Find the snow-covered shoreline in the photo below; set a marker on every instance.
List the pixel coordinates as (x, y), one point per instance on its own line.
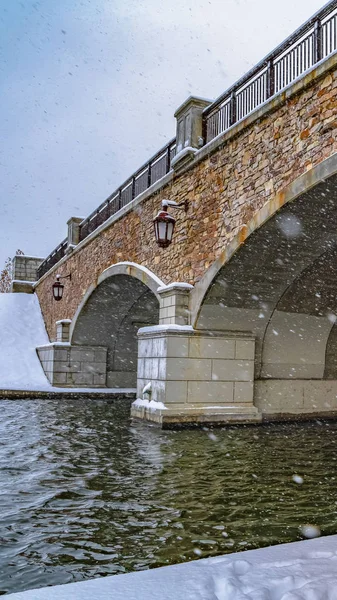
(300, 570)
(22, 331)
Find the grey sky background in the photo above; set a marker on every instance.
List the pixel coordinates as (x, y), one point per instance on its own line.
(88, 89)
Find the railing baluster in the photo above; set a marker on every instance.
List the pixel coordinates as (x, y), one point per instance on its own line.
(168, 160)
(233, 109)
(270, 79)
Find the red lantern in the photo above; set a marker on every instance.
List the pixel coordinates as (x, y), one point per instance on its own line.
(163, 227)
(58, 289)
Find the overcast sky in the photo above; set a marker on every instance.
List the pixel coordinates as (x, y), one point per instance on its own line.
(88, 89)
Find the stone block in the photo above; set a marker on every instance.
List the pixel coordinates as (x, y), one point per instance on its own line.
(100, 356)
(159, 347)
(151, 366)
(232, 370)
(83, 379)
(93, 368)
(145, 347)
(215, 393)
(175, 392)
(188, 369)
(99, 379)
(140, 368)
(162, 368)
(158, 391)
(211, 347)
(244, 391)
(59, 378)
(61, 355)
(245, 349)
(177, 346)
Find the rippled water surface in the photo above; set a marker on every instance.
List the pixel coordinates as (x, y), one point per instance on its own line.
(85, 492)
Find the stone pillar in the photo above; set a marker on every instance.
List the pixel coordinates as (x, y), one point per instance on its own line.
(174, 304)
(194, 377)
(63, 330)
(73, 232)
(74, 366)
(189, 130)
(24, 273)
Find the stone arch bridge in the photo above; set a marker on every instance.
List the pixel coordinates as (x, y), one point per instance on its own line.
(236, 320)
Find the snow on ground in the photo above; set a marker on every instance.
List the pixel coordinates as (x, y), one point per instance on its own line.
(22, 330)
(299, 571)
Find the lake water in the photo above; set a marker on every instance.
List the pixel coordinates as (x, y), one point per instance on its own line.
(85, 492)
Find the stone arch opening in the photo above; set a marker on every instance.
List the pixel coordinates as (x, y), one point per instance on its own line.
(111, 315)
(281, 285)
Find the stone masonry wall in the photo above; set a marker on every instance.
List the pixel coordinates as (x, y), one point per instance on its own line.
(224, 191)
(25, 267)
(74, 366)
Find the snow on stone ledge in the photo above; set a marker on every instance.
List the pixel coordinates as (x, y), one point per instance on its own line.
(299, 571)
(150, 405)
(159, 328)
(175, 284)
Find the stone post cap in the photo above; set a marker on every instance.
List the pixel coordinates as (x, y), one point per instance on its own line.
(177, 287)
(192, 102)
(75, 220)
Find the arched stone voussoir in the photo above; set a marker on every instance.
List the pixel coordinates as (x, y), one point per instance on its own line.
(294, 190)
(123, 268)
(133, 270)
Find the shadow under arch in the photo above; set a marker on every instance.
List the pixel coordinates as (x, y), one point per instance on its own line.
(110, 314)
(315, 176)
(277, 280)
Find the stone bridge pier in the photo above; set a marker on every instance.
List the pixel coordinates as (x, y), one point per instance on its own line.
(236, 320)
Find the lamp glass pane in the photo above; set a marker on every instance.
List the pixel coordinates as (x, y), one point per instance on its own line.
(170, 227)
(162, 230)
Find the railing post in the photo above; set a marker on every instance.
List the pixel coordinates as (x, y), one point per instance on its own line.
(149, 175)
(133, 189)
(119, 198)
(168, 159)
(270, 79)
(232, 109)
(317, 53)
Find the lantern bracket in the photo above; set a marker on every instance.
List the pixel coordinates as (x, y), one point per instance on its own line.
(58, 277)
(180, 206)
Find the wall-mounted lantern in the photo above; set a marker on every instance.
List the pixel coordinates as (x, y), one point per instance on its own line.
(164, 222)
(58, 287)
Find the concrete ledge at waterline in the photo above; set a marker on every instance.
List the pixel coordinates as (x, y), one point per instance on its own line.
(64, 394)
(192, 416)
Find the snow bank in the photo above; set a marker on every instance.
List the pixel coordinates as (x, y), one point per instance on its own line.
(300, 571)
(22, 330)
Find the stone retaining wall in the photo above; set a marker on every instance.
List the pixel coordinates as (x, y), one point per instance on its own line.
(75, 366)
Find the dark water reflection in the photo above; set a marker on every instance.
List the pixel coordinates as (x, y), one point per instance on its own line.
(84, 492)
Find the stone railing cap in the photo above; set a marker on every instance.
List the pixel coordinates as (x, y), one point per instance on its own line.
(192, 101)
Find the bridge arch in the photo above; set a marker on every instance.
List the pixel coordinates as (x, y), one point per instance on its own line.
(318, 174)
(110, 314)
(278, 280)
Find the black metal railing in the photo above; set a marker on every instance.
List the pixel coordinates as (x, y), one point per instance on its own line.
(158, 166)
(312, 42)
(53, 258)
